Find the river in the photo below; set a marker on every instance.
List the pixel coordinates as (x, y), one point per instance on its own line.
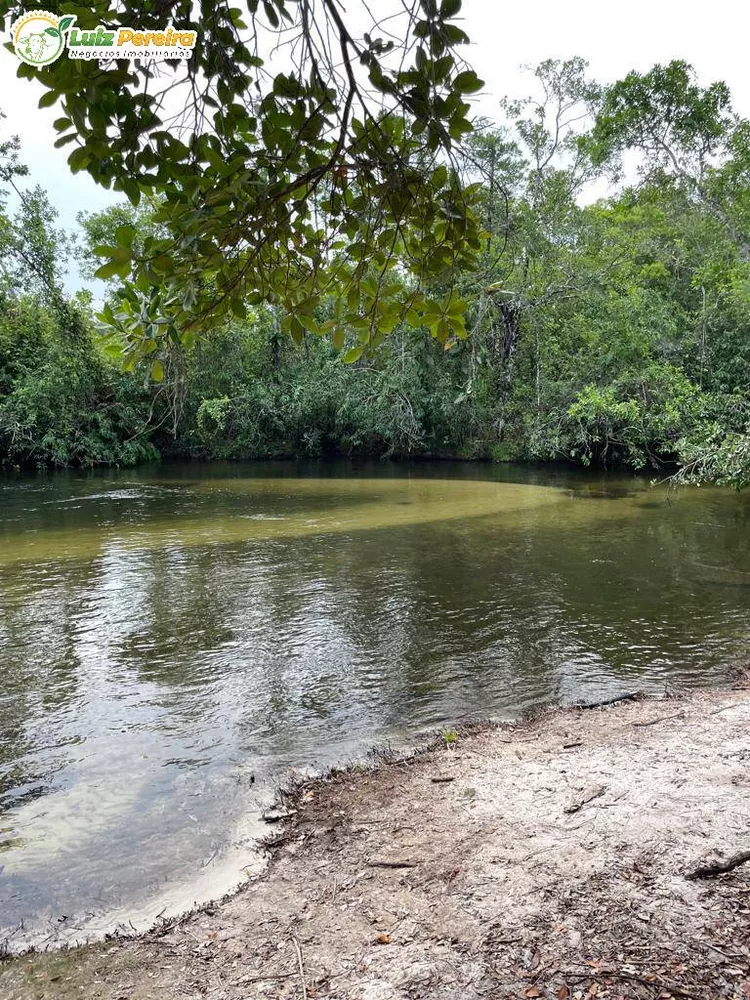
(175, 640)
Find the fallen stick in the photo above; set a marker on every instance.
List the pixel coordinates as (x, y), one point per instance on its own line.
(719, 867)
(274, 815)
(441, 780)
(375, 863)
(724, 708)
(587, 795)
(635, 977)
(265, 979)
(301, 965)
(628, 696)
(663, 984)
(660, 718)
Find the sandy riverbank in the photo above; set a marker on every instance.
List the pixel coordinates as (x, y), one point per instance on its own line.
(547, 859)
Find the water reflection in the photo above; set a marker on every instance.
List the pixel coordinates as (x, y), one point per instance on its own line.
(167, 634)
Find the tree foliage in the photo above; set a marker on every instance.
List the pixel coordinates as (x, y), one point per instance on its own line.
(611, 330)
(330, 175)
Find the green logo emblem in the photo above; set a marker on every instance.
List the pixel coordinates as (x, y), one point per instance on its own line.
(39, 37)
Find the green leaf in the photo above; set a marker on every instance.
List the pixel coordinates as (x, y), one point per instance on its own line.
(157, 371)
(112, 269)
(353, 354)
(455, 35)
(271, 14)
(78, 159)
(65, 22)
(468, 82)
(162, 262)
(441, 330)
(125, 235)
(449, 8)
(440, 176)
(48, 99)
(297, 331)
(132, 191)
(455, 306)
(121, 254)
(236, 16)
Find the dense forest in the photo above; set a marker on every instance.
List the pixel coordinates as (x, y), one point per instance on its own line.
(604, 319)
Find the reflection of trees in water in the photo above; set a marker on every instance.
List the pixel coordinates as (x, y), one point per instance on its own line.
(41, 675)
(312, 640)
(181, 612)
(371, 631)
(459, 617)
(425, 609)
(286, 646)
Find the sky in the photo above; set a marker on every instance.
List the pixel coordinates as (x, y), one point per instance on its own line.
(613, 38)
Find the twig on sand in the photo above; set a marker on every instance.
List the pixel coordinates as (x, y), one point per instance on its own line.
(628, 696)
(662, 984)
(274, 815)
(272, 977)
(724, 708)
(660, 718)
(587, 795)
(385, 863)
(301, 965)
(719, 867)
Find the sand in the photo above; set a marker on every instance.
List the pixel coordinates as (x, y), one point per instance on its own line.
(544, 859)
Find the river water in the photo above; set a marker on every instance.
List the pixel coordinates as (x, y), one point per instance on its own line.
(174, 641)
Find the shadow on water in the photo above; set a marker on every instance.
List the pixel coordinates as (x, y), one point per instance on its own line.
(167, 633)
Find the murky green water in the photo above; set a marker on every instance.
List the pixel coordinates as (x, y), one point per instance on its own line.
(166, 634)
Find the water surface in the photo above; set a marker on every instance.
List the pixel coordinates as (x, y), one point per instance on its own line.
(173, 641)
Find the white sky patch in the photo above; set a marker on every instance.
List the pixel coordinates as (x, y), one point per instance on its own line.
(612, 38)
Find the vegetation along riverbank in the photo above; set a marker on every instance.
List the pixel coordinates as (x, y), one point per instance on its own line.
(586, 853)
(610, 330)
